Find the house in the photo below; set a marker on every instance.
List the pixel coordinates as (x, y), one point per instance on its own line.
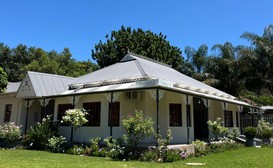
(135, 83)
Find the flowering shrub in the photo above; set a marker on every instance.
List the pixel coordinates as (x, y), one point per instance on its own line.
(76, 150)
(37, 136)
(217, 128)
(114, 148)
(55, 144)
(10, 133)
(233, 133)
(75, 118)
(264, 130)
(200, 148)
(162, 145)
(137, 127)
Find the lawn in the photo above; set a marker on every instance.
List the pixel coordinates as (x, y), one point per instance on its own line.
(244, 157)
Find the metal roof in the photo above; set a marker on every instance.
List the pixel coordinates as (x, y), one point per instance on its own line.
(42, 84)
(12, 87)
(48, 84)
(135, 66)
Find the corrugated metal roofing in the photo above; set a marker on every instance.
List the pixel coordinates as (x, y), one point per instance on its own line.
(137, 66)
(12, 87)
(49, 84)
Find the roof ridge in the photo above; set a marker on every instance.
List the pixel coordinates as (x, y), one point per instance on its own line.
(149, 59)
(140, 68)
(48, 74)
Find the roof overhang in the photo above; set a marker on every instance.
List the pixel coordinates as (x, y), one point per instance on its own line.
(156, 83)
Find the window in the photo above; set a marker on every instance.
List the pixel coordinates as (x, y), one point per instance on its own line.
(228, 119)
(8, 110)
(175, 115)
(61, 110)
(114, 107)
(93, 110)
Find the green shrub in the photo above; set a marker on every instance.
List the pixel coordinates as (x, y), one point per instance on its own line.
(148, 155)
(55, 144)
(250, 132)
(76, 150)
(216, 128)
(10, 133)
(101, 152)
(224, 145)
(137, 127)
(264, 130)
(162, 145)
(172, 156)
(114, 148)
(200, 148)
(233, 133)
(37, 136)
(94, 144)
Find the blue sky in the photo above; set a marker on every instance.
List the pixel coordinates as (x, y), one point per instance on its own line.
(80, 24)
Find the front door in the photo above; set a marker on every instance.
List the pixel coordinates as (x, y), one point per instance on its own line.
(200, 114)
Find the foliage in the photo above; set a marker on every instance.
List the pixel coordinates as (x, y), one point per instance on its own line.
(16, 61)
(233, 133)
(76, 150)
(10, 133)
(264, 129)
(217, 128)
(114, 148)
(137, 127)
(224, 145)
(200, 148)
(162, 145)
(38, 135)
(148, 155)
(263, 100)
(55, 144)
(96, 150)
(75, 118)
(197, 58)
(3, 80)
(250, 132)
(145, 43)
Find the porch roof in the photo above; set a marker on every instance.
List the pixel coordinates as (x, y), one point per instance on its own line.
(151, 84)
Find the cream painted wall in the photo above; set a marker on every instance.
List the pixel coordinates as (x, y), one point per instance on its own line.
(16, 103)
(145, 103)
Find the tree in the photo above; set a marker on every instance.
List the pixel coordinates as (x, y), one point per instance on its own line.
(3, 80)
(137, 127)
(225, 70)
(75, 118)
(197, 58)
(261, 52)
(141, 42)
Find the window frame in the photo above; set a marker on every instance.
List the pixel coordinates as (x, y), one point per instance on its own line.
(176, 110)
(228, 118)
(97, 112)
(115, 106)
(8, 112)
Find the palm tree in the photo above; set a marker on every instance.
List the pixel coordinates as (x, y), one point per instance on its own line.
(224, 69)
(197, 58)
(262, 51)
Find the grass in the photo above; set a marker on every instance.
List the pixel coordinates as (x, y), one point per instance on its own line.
(244, 157)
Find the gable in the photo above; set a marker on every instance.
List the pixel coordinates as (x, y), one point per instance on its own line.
(26, 88)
